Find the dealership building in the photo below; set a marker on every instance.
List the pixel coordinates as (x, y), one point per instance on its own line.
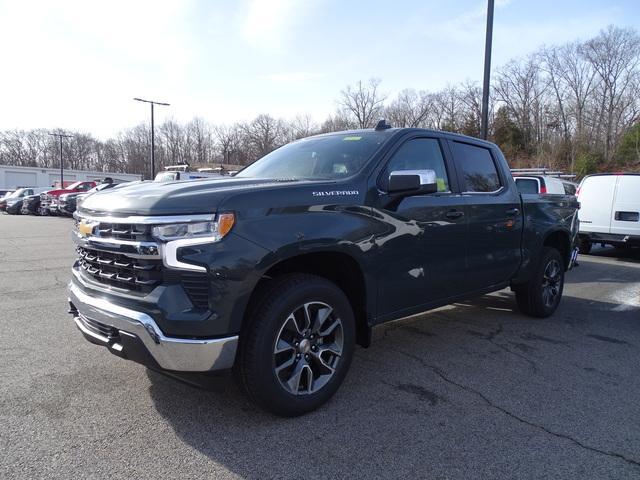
(14, 177)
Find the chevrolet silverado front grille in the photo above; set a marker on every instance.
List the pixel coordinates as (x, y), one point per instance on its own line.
(124, 256)
(119, 270)
(122, 231)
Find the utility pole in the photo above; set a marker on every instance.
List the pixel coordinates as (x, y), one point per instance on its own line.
(60, 137)
(153, 138)
(487, 71)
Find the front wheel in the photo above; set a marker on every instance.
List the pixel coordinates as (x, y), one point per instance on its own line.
(297, 347)
(541, 295)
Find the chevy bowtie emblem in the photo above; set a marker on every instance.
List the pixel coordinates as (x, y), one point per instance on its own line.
(85, 229)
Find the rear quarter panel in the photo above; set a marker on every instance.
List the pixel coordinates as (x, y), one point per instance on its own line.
(543, 216)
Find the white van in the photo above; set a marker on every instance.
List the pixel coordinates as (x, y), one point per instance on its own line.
(609, 210)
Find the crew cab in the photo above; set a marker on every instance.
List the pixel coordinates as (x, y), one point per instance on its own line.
(279, 271)
(49, 200)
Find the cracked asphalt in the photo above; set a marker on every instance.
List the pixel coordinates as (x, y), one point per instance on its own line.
(473, 390)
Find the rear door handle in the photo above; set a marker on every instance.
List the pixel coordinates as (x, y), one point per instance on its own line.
(512, 212)
(453, 214)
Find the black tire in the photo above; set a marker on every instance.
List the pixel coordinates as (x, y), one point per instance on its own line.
(268, 321)
(584, 246)
(536, 297)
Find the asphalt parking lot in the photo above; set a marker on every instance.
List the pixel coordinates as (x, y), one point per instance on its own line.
(473, 390)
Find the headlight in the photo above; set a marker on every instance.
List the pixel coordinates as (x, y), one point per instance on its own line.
(212, 231)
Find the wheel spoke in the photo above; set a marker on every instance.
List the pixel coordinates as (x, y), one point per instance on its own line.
(330, 328)
(317, 356)
(294, 381)
(307, 317)
(286, 364)
(307, 368)
(283, 346)
(291, 319)
(545, 296)
(322, 315)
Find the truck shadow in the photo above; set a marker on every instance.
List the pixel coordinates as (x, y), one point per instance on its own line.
(394, 406)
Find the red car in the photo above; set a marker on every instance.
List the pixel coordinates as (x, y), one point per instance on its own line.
(49, 200)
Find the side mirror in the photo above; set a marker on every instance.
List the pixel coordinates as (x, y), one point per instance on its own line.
(412, 182)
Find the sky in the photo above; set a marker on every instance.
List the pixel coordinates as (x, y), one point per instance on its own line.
(77, 64)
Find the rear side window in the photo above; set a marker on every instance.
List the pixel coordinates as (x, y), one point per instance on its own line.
(527, 185)
(420, 154)
(478, 170)
(569, 188)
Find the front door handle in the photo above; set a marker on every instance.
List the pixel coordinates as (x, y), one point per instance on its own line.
(512, 212)
(454, 214)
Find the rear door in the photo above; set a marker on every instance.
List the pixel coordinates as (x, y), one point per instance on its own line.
(495, 217)
(596, 203)
(625, 218)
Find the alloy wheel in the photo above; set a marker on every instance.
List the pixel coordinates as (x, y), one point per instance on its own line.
(308, 348)
(551, 282)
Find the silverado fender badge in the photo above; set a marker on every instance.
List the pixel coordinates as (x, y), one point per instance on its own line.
(335, 193)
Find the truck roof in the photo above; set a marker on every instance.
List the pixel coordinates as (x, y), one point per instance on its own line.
(402, 130)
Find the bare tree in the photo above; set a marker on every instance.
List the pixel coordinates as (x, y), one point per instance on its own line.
(615, 55)
(264, 134)
(409, 108)
(364, 103)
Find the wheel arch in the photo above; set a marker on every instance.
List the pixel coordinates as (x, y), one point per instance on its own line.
(339, 268)
(561, 241)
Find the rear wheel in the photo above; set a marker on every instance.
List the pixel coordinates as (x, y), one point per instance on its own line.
(541, 296)
(585, 246)
(297, 348)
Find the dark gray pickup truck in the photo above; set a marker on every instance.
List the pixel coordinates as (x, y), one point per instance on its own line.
(279, 271)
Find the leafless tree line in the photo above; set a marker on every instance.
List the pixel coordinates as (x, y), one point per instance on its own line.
(574, 106)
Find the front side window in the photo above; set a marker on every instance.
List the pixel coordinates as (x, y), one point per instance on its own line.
(420, 154)
(478, 170)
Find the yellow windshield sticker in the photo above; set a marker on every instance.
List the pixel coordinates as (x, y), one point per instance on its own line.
(351, 139)
(440, 183)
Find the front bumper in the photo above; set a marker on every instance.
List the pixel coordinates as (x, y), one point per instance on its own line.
(136, 336)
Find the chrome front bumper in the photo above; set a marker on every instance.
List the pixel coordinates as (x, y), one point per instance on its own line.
(176, 354)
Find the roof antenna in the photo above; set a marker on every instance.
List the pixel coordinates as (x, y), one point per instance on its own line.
(382, 125)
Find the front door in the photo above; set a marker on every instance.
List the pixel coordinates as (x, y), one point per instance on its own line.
(421, 242)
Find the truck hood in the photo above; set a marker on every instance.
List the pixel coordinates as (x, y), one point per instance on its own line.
(57, 193)
(176, 198)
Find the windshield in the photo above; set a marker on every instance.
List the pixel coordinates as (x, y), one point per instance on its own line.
(18, 193)
(166, 176)
(73, 186)
(318, 158)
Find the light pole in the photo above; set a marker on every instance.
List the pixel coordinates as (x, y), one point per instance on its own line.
(487, 71)
(153, 138)
(60, 137)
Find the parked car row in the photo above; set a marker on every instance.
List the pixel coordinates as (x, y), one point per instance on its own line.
(48, 201)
